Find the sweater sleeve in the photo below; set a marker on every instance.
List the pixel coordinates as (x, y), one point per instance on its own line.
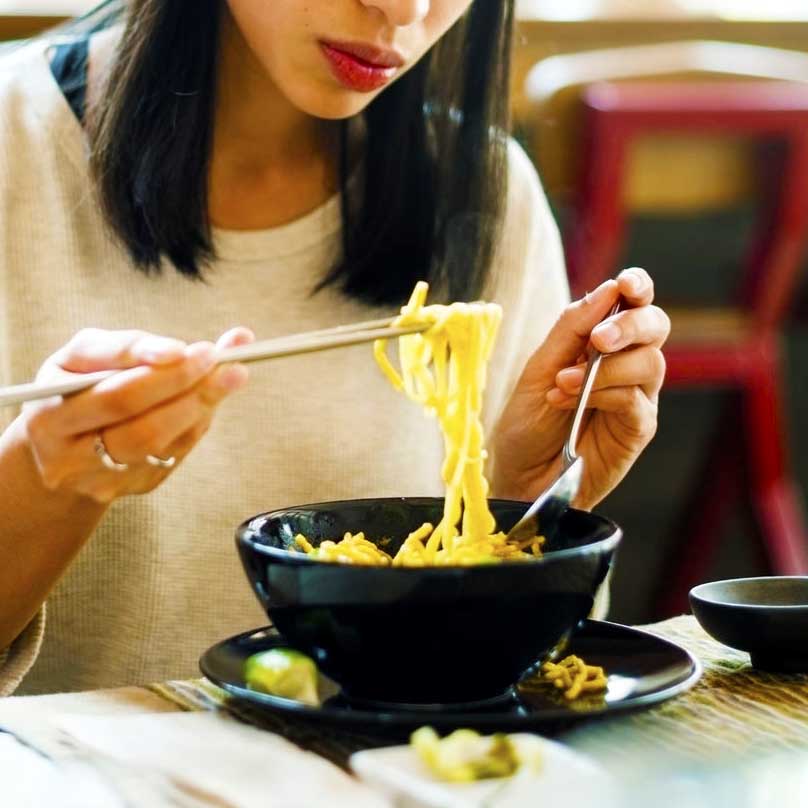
(530, 283)
(19, 657)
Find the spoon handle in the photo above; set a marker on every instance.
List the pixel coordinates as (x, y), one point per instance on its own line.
(569, 453)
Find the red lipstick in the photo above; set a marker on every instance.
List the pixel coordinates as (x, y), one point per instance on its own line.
(359, 67)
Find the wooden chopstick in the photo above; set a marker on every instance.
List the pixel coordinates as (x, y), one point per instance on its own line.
(292, 345)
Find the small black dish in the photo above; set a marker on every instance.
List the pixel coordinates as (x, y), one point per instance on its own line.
(412, 635)
(643, 670)
(767, 617)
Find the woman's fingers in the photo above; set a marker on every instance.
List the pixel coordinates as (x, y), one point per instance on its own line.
(62, 460)
(155, 430)
(647, 325)
(569, 336)
(163, 431)
(633, 369)
(583, 320)
(636, 287)
(629, 402)
(232, 376)
(223, 381)
(102, 485)
(643, 367)
(129, 393)
(235, 336)
(186, 442)
(160, 403)
(93, 349)
(636, 415)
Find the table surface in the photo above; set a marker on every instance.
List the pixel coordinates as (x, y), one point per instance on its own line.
(733, 713)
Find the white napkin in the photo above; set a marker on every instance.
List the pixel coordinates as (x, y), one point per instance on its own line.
(26, 775)
(209, 759)
(565, 778)
(30, 780)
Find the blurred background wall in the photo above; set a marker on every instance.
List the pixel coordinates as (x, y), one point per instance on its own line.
(696, 204)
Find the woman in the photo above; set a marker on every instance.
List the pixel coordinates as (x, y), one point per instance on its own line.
(285, 166)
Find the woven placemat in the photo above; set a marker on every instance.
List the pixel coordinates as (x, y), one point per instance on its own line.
(733, 710)
(333, 744)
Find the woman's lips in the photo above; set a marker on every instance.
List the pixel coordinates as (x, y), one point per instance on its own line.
(362, 68)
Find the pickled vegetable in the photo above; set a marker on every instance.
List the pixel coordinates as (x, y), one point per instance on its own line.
(466, 756)
(283, 672)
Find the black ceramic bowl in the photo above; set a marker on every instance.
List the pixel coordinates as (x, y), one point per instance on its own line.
(768, 617)
(432, 635)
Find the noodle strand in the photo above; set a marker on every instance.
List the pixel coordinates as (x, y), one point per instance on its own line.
(444, 368)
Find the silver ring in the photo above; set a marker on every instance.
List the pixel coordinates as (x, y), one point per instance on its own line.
(105, 457)
(167, 463)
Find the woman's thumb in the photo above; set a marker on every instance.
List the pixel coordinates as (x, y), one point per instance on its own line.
(569, 337)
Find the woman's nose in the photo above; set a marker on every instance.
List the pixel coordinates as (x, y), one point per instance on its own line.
(400, 13)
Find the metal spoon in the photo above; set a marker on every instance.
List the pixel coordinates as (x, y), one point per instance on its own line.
(548, 507)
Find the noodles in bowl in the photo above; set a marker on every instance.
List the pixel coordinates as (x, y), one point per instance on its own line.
(444, 369)
(422, 635)
(416, 614)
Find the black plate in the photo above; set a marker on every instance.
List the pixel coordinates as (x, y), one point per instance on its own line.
(643, 670)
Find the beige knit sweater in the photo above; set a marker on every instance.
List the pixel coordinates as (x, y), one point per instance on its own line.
(160, 580)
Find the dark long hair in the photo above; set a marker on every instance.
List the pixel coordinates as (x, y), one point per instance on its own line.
(434, 161)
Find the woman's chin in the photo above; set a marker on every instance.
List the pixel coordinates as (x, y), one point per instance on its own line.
(333, 104)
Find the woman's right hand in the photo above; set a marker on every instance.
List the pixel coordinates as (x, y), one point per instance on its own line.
(160, 404)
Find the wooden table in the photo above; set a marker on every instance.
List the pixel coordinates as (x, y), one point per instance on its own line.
(733, 719)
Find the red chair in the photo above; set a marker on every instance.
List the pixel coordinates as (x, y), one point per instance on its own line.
(738, 346)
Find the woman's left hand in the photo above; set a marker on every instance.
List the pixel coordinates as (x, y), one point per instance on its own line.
(529, 437)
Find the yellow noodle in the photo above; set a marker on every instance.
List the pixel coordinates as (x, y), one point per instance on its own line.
(574, 677)
(444, 369)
